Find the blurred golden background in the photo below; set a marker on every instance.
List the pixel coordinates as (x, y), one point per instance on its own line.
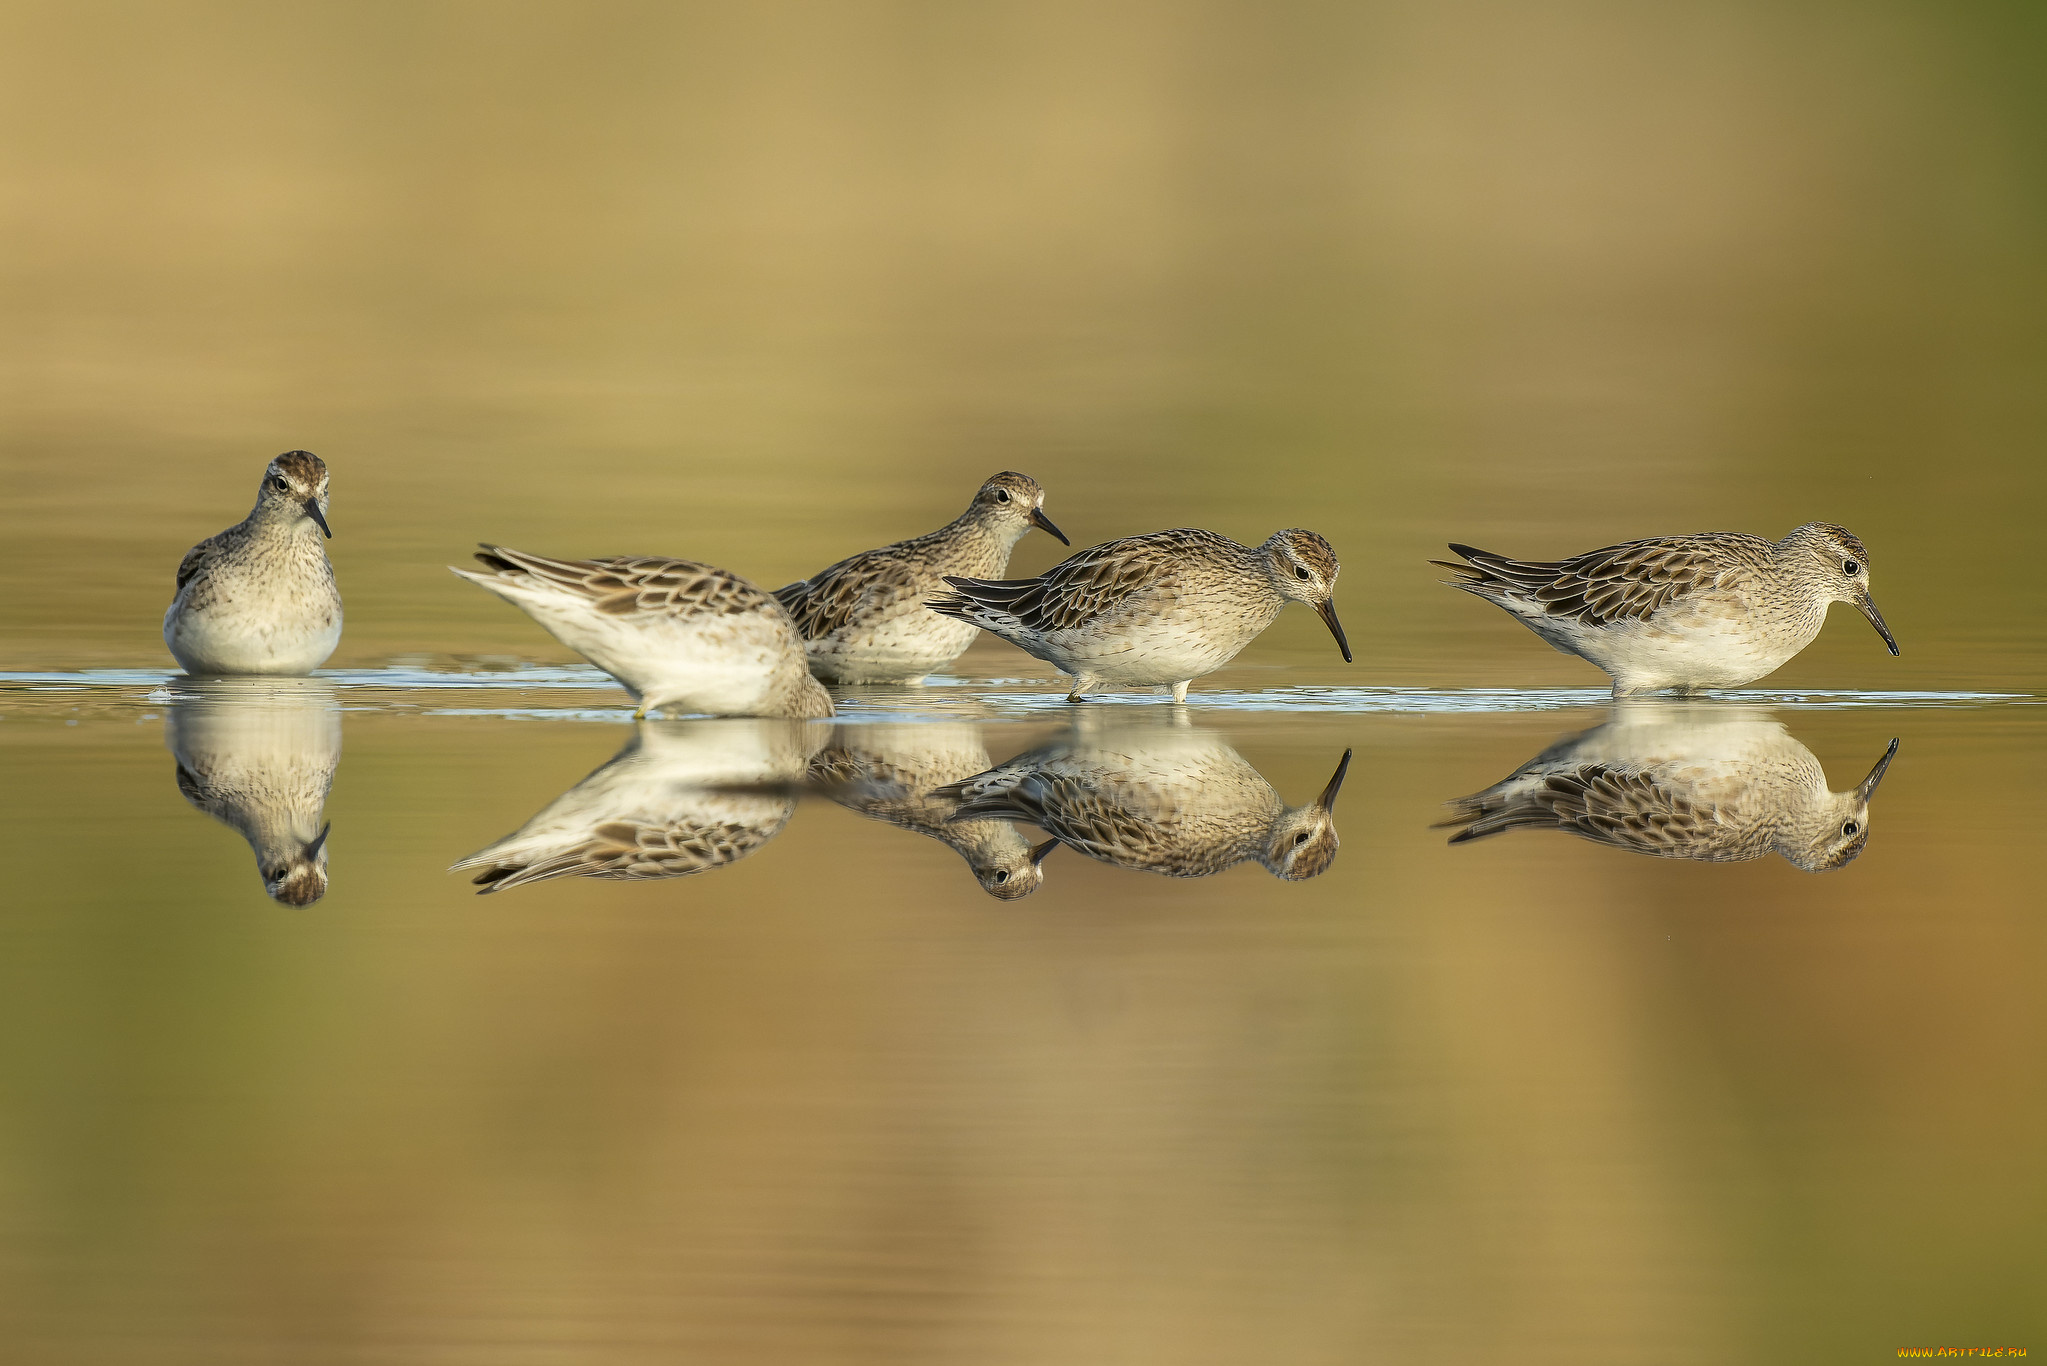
(768, 284)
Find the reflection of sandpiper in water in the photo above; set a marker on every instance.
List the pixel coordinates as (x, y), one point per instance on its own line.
(1703, 782)
(682, 797)
(1165, 799)
(258, 755)
(890, 773)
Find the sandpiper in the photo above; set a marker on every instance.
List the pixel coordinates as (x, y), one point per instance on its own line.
(891, 773)
(679, 636)
(1164, 608)
(1691, 781)
(259, 598)
(682, 797)
(1161, 799)
(1714, 610)
(863, 619)
(258, 755)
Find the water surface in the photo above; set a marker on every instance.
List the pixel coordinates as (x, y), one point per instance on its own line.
(766, 286)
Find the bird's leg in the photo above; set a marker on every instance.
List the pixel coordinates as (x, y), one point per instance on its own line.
(1081, 684)
(1180, 690)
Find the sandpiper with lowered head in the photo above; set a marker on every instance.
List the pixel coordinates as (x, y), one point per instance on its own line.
(681, 637)
(863, 619)
(1687, 780)
(1161, 799)
(1681, 613)
(259, 598)
(1164, 608)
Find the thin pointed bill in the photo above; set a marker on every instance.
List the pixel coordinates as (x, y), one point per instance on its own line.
(1044, 523)
(1867, 787)
(313, 849)
(1876, 619)
(1038, 854)
(1326, 609)
(313, 511)
(1327, 801)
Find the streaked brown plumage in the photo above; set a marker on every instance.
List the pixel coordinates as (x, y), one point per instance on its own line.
(863, 619)
(1702, 782)
(259, 597)
(893, 773)
(1163, 608)
(676, 634)
(1170, 800)
(681, 798)
(1712, 610)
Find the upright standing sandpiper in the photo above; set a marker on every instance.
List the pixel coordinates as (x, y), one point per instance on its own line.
(259, 598)
(863, 619)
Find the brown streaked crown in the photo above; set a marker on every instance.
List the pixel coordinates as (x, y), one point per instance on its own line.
(1303, 861)
(1828, 535)
(303, 468)
(1311, 550)
(1021, 491)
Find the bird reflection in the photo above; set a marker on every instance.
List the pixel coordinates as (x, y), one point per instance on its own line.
(258, 755)
(1691, 781)
(889, 772)
(682, 797)
(1164, 799)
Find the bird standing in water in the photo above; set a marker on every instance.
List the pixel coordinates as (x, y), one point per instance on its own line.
(259, 598)
(1165, 608)
(863, 619)
(1714, 610)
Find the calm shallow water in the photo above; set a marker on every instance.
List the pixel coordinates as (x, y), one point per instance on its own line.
(831, 1099)
(766, 288)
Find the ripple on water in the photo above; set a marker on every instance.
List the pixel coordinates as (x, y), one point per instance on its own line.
(950, 698)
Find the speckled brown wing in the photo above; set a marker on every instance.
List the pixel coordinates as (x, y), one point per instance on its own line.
(638, 583)
(1084, 586)
(195, 560)
(629, 851)
(1632, 581)
(1086, 816)
(865, 586)
(1618, 807)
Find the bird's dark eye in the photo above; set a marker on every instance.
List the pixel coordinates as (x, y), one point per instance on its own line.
(1849, 567)
(280, 483)
(1002, 877)
(1002, 495)
(1850, 828)
(1300, 573)
(1301, 839)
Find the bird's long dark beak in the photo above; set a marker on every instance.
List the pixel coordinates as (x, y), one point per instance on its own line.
(1327, 801)
(313, 511)
(1876, 619)
(1327, 610)
(1044, 523)
(1867, 787)
(313, 849)
(1038, 854)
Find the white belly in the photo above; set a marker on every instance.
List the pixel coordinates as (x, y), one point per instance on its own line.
(228, 639)
(900, 649)
(1169, 651)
